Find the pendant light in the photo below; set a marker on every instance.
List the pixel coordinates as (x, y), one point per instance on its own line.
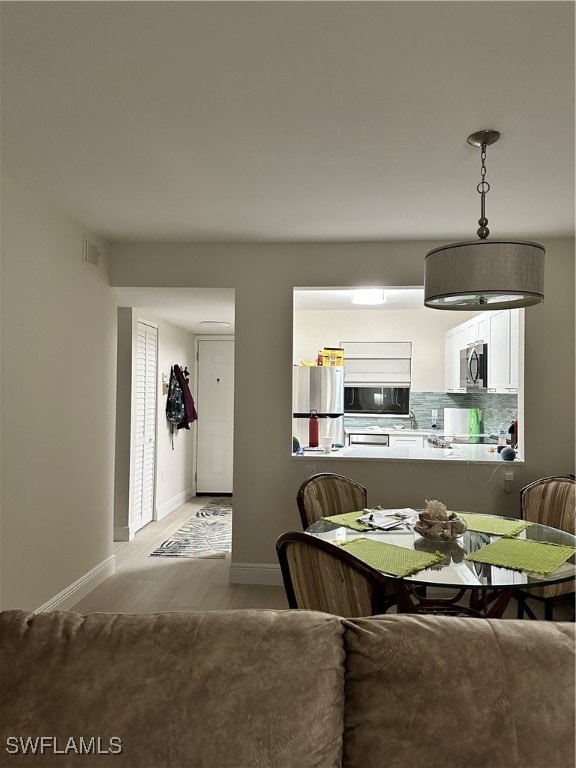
(484, 274)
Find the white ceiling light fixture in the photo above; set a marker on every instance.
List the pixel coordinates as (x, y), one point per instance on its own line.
(484, 274)
(368, 296)
(214, 324)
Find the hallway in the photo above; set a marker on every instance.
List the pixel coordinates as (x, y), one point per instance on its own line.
(144, 584)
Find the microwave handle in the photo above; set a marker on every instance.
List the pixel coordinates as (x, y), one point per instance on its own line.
(473, 357)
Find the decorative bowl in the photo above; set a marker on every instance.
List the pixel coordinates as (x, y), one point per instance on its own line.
(440, 530)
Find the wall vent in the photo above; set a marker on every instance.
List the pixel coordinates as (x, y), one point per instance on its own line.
(91, 252)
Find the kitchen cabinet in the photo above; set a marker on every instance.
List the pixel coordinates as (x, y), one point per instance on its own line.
(476, 329)
(378, 363)
(392, 372)
(501, 331)
(377, 349)
(406, 441)
(503, 351)
(514, 349)
(454, 340)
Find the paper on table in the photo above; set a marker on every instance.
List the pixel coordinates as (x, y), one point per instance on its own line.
(386, 518)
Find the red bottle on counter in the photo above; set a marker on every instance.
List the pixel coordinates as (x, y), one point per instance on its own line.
(513, 431)
(313, 429)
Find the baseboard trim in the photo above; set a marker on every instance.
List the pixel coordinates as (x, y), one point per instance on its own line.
(72, 594)
(173, 503)
(123, 533)
(255, 573)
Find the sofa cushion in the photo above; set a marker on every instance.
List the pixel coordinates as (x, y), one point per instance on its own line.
(233, 688)
(443, 692)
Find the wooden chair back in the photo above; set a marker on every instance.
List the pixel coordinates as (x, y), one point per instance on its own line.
(550, 501)
(329, 494)
(321, 576)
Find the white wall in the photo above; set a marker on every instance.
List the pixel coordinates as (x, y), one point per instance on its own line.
(175, 468)
(58, 352)
(266, 477)
(314, 329)
(58, 397)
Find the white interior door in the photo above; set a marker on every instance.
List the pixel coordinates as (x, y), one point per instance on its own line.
(215, 403)
(145, 425)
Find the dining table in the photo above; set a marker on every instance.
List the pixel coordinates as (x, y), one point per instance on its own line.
(474, 574)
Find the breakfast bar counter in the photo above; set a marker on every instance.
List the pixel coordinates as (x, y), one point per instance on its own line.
(479, 454)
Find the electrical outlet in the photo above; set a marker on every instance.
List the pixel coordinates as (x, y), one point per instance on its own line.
(508, 480)
(311, 469)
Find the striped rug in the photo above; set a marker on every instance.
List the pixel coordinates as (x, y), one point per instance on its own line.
(208, 533)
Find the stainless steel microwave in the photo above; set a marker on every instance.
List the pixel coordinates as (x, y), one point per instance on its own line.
(474, 366)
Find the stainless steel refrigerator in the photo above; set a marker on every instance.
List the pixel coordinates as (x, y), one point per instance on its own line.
(319, 388)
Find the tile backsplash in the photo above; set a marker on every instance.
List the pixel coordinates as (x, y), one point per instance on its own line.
(495, 409)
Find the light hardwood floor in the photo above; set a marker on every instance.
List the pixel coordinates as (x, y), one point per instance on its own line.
(144, 584)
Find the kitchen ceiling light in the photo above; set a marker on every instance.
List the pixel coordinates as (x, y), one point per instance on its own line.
(484, 274)
(368, 296)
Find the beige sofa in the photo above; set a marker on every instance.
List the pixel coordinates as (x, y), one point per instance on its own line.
(252, 689)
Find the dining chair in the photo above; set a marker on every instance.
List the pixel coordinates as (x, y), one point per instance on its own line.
(321, 576)
(329, 494)
(549, 501)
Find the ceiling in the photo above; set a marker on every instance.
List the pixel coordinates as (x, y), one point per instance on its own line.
(198, 310)
(211, 310)
(292, 121)
(337, 298)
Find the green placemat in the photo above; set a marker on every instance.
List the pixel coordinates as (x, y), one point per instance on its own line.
(397, 561)
(348, 520)
(541, 557)
(493, 525)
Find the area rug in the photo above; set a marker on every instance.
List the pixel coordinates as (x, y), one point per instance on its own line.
(208, 533)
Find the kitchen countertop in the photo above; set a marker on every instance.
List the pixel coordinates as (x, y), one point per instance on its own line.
(386, 431)
(479, 454)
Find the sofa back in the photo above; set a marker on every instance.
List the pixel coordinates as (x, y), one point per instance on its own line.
(432, 691)
(284, 689)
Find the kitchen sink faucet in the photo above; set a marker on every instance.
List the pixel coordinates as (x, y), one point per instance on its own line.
(412, 419)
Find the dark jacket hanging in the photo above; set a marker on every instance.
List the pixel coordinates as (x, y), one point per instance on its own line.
(190, 414)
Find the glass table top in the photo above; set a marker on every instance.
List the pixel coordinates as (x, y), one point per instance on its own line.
(454, 570)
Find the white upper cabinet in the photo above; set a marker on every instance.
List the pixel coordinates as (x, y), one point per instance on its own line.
(498, 345)
(453, 342)
(504, 351)
(377, 349)
(475, 330)
(372, 370)
(501, 331)
(377, 363)
(516, 334)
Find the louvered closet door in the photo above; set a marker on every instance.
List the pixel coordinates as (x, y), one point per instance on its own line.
(145, 432)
